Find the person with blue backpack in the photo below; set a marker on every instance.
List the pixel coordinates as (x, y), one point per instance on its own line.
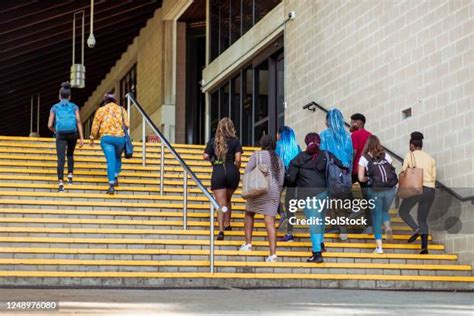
(336, 140)
(65, 122)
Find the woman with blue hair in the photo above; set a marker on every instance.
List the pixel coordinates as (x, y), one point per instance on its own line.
(336, 140)
(287, 149)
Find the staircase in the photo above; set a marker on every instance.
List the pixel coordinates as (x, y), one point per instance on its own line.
(135, 238)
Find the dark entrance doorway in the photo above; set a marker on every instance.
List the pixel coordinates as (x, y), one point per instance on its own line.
(254, 97)
(195, 99)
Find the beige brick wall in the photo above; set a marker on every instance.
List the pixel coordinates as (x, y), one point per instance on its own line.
(146, 52)
(153, 51)
(381, 57)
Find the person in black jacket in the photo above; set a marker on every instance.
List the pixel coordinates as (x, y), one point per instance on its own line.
(307, 172)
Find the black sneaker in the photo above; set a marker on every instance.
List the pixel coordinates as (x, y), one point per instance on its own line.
(316, 258)
(323, 247)
(116, 183)
(228, 228)
(424, 251)
(111, 190)
(413, 237)
(220, 236)
(61, 187)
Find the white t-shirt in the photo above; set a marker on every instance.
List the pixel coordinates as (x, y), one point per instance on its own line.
(364, 162)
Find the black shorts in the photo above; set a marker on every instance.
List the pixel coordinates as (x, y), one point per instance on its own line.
(225, 177)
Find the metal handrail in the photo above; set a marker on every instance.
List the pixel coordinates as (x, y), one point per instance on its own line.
(312, 107)
(131, 101)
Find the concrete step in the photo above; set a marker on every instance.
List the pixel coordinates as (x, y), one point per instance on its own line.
(171, 173)
(178, 232)
(42, 142)
(14, 161)
(191, 241)
(164, 223)
(186, 155)
(238, 213)
(91, 197)
(91, 162)
(171, 180)
(119, 252)
(78, 187)
(229, 267)
(241, 280)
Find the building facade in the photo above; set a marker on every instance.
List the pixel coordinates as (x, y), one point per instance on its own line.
(407, 65)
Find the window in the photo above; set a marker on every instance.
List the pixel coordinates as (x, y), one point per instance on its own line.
(128, 84)
(230, 19)
(235, 107)
(253, 99)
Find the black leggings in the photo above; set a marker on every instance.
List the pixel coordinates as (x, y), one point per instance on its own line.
(65, 143)
(424, 201)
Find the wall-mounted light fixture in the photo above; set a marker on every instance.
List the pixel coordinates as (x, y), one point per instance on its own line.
(78, 71)
(91, 39)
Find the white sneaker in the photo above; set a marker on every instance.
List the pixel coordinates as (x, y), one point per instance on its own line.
(343, 237)
(246, 247)
(224, 209)
(378, 251)
(272, 258)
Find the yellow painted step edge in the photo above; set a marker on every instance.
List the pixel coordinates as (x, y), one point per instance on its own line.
(126, 213)
(187, 275)
(196, 169)
(218, 252)
(155, 188)
(198, 242)
(100, 162)
(154, 182)
(130, 222)
(109, 197)
(52, 140)
(86, 154)
(204, 263)
(194, 232)
(108, 204)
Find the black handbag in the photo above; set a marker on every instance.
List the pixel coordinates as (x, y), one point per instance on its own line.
(128, 149)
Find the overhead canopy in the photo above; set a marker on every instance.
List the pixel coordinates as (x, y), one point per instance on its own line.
(36, 51)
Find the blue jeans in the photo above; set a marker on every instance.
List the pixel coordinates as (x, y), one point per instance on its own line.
(382, 201)
(316, 231)
(113, 148)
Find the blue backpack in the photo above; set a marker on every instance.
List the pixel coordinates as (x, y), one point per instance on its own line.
(65, 120)
(339, 180)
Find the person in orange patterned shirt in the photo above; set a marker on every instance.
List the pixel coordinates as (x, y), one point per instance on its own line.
(109, 123)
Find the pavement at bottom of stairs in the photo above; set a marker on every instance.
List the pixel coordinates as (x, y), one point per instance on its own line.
(243, 302)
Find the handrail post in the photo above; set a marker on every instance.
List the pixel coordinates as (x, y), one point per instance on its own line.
(211, 244)
(144, 142)
(162, 165)
(129, 106)
(185, 201)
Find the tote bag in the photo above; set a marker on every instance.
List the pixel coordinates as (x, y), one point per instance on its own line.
(128, 149)
(410, 181)
(257, 181)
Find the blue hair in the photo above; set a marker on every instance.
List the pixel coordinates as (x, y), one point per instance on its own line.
(336, 139)
(287, 148)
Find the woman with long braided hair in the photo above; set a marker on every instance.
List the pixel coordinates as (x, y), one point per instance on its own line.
(224, 152)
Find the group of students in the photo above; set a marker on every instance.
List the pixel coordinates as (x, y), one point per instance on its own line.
(301, 172)
(296, 173)
(110, 123)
